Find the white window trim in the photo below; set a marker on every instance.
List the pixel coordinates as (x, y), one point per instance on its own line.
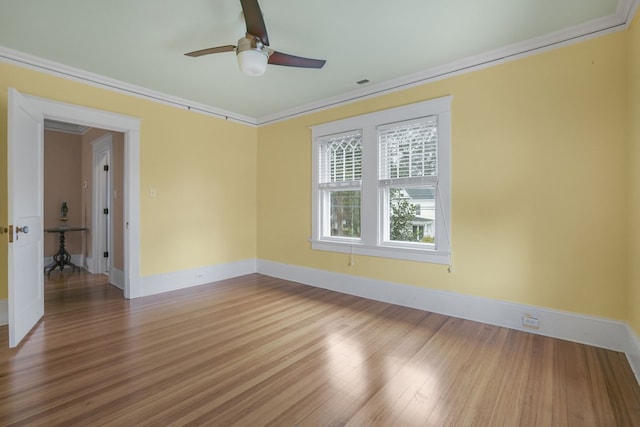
(371, 243)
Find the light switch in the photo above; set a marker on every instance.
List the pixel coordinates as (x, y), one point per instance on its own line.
(153, 192)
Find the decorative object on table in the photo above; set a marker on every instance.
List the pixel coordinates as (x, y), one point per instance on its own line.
(64, 210)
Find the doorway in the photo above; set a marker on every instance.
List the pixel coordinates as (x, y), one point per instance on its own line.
(83, 168)
(130, 197)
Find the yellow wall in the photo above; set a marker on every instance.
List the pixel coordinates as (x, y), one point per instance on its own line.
(540, 199)
(539, 183)
(203, 168)
(634, 142)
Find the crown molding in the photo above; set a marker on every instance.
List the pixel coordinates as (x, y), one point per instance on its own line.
(46, 66)
(621, 20)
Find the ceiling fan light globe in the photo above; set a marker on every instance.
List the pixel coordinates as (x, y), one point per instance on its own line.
(253, 62)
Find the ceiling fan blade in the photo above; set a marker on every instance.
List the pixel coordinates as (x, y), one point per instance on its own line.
(209, 51)
(278, 58)
(254, 20)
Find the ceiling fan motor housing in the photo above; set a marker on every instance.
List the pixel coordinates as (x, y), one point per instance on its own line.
(252, 55)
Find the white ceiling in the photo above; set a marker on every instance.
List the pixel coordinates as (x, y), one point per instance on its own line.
(142, 43)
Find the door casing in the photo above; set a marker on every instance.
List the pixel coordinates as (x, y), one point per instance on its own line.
(130, 127)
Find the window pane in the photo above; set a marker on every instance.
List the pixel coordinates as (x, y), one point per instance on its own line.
(412, 214)
(409, 149)
(345, 213)
(341, 158)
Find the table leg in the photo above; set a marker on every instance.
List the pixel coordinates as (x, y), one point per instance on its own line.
(62, 258)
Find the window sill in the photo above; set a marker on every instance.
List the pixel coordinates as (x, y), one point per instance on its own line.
(409, 254)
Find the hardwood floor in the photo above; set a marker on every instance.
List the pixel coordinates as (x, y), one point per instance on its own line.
(256, 351)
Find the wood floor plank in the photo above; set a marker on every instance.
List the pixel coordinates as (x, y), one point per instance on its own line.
(258, 351)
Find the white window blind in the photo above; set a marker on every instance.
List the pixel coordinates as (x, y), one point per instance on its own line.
(408, 151)
(341, 159)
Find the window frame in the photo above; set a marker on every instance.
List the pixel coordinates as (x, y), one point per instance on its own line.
(372, 240)
(326, 187)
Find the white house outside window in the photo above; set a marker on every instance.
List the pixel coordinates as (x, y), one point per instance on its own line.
(381, 183)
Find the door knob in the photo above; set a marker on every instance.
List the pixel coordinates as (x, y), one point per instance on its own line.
(3, 230)
(24, 229)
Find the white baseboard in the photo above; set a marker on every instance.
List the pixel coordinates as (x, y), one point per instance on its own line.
(599, 332)
(633, 353)
(4, 312)
(88, 264)
(151, 285)
(117, 278)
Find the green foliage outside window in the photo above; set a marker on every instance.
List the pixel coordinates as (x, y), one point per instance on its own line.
(402, 215)
(345, 213)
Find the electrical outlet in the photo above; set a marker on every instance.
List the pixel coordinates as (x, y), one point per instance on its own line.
(528, 321)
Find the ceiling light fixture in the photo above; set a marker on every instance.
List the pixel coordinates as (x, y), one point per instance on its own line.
(253, 57)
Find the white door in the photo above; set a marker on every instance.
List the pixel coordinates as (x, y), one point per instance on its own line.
(25, 168)
(102, 185)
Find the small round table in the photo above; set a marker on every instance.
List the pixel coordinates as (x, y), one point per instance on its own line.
(63, 257)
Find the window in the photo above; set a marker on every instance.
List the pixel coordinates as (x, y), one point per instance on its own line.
(340, 183)
(381, 183)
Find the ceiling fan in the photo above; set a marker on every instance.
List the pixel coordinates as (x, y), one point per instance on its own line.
(253, 51)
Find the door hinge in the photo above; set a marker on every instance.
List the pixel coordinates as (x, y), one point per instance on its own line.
(105, 211)
(106, 168)
(11, 234)
(105, 254)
